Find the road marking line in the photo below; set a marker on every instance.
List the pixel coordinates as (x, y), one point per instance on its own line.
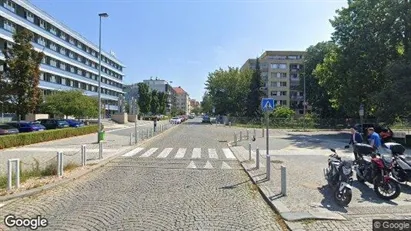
(228, 154)
(191, 165)
(165, 153)
(224, 165)
(208, 165)
(150, 152)
(180, 153)
(212, 153)
(196, 153)
(133, 152)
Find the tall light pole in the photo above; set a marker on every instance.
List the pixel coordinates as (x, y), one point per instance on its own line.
(305, 99)
(101, 15)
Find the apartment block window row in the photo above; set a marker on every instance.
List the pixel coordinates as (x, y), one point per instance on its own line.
(280, 102)
(278, 75)
(278, 93)
(294, 76)
(75, 70)
(278, 66)
(278, 84)
(47, 77)
(284, 57)
(29, 16)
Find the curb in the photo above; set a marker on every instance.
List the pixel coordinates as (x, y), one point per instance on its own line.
(31, 192)
(290, 218)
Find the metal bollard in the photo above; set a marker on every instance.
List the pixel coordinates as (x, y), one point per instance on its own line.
(241, 135)
(268, 167)
(60, 164)
(131, 139)
(255, 133)
(248, 134)
(10, 174)
(257, 159)
(284, 180)
(249, 151)
(148, 133)
(235, 139)
(263, 132)
(229, 124)
(136, 138)
(83, 155)
(100, 150)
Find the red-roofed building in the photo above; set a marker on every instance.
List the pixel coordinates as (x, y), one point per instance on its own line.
(182, 100)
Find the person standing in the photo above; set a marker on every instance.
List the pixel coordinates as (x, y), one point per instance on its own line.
(155, 123)
(356, 138)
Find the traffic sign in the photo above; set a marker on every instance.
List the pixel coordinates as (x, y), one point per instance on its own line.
(267, 104)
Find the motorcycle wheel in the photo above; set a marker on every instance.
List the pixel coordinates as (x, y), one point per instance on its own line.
(344, 198)
(382, 186)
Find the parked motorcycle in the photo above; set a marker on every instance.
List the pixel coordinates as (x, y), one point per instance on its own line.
(339, 177)
(401, 167)
(378, 172)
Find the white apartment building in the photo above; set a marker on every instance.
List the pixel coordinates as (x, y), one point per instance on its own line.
(182, 100)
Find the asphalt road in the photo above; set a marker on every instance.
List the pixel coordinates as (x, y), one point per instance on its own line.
(184, 179)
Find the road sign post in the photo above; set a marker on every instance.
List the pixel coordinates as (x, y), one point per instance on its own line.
(267, 105)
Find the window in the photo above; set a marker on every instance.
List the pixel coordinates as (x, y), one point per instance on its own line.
(278, 57)
(9, 26)
(59, 79)
(42, 24)
(52, 79)
(279, 66)
(63, 35)
(79, 45)
(53, 62)
(274, 84)
(283, 93)
(283, 84)
(71, 40)
(9, 5)
(79, 58)
(63, 66)
(29, 16)
(79, 72)
(87, 62)
(292, 57)
(9, 45)
(93, 64)
(62, 50)
(53, 46)
(68, 82)
(278, 75)
(41, 41)
(41, 76)
(53, 30)
(294, 76)
(274, 93)
(71, 55)
(93, 53)
(88, 74)
(72, 69)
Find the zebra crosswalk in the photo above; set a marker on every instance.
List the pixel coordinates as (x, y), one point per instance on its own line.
(182, 153)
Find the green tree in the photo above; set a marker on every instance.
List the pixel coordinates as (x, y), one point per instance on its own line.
(155, 102)
(317, 95)
(206, 104)
(23, 73)
(144, 99)
(282, 112)
(254, 94)
(228, 90)
(162, 97)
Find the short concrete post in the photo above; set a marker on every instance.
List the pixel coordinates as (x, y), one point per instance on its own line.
(249, 151)
(255, 133)
(257, 159)
(83, 155)
(148, 133)
(235, 139)
(131, 138)
(262, 132)
(283, 180)
(268, 167)
(241, 135)
(136, 138)
(60, 165)
(248, 134)
(229, 124)
(100, 150)
(10, 173)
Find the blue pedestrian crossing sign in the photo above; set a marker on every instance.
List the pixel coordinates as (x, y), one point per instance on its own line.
(267, 104)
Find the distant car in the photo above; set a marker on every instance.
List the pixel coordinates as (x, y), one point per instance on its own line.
(54, 123)
(75, 123)
(191, 116)
(6, 129)
(25, 126)
(206, 119)
(175, 120)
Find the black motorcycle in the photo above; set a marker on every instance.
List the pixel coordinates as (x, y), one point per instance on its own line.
(339, 177)
(401, 166)
(378, 172)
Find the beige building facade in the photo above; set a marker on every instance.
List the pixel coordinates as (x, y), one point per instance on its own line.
(182, 100)
(281, 72)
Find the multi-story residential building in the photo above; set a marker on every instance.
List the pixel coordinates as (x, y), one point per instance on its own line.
(280, 72)
(194, 103)
(163, 86)
(183, 100)
(71, 61)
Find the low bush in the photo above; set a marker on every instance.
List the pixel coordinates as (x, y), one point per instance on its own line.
(22, 139)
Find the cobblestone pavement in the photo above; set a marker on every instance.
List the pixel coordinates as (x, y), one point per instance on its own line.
(116, 141)
(153, 190)
(305, 157)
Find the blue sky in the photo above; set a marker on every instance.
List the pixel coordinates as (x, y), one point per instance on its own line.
(182, 41)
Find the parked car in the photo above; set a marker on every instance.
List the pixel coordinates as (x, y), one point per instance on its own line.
(26, 126)
(75, 123)
(206, 119)
(54, 123)
(6, 129)
(175, 120)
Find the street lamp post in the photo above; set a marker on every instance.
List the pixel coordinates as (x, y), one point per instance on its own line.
(305, 97)
(101, 15)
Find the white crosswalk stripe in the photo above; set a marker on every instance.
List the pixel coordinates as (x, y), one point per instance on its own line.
(180, 153)
(150, 152)
(196, 153)
(165, 153)
(228, 154)
(212, 153)
(133, 152)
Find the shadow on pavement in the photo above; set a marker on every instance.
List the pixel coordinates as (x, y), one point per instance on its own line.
(234, 185)
(319, 140)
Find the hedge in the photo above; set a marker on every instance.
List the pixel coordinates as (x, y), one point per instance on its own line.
(21, 139)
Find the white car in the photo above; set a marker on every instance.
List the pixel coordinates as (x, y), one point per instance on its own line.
(175, 120)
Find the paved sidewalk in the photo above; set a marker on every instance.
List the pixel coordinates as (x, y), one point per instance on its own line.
(116, 142)
(305, 156)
